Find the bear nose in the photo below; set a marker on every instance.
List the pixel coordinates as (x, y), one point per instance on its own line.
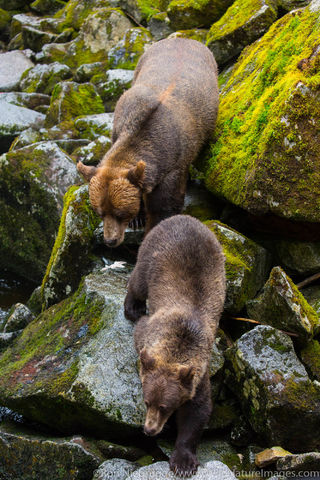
(149, 431)
(110, 243)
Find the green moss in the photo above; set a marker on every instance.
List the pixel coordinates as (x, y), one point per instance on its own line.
(128, 52)
(195, 13)
(5, 18)
(304, 396)
(198, 34)
(310, 356)
(264, 126)
(74, 13)
(149, 8)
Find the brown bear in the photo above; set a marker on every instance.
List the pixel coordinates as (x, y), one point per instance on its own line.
(160, 124)
(180, 271)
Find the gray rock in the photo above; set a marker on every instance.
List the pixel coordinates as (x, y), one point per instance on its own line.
(305, 462)
(79, 370)
(93, 126)
(24, 20)
(280, 401)
(93, 152)
(18, 318)
(283, 306)
(299, 257)
(35, 39)
(126, 53)
(161, 471)
(28, 100)
(87, 70)
(7, 338)
(56, 458)
(43, 78)
(112, 85)
(47, 7)
(115, 469)
(159, 26)
(292, 4)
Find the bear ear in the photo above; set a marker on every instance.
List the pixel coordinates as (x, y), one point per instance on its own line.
(147, 361)
(186, 375)
(86, 171)
(136, 174)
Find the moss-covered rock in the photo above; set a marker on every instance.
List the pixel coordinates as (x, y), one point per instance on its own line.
(280, 401)
(101, 31)
(141, 10)
(199, 34)
(299, 257)
(115, 469)
(283, 306)
(308, 463)
(247, 265)
(29, 455)
(72, 252)
(126, 53)
(13, 4)
(18, 318)
(195, 13)
(75, 13)
(266, 158)
(158, 25)
(310, 356)
(35, 39)
(93, 153)
(5, 19)
(269, 456)
(111, 85)
(47, 7)
(86, 71)
(33, 181)
(241, 25)
(74, 367)
(43, 78)
(70, 99)
(93, 126)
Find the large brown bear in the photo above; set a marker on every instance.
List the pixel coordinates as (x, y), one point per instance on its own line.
(160, 124)
(180, 270)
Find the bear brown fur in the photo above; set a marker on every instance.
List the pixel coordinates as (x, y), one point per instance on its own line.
(180, 271)
(160, 124)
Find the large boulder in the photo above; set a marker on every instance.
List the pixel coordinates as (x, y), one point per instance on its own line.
(191, 13)
(75, 366)
(280, 401)
(72, 253)
(282, 306)
(12, 66)
(28, 455)
(33, 181)
(266, 158)
(299, 257)
(161, 471)
(247, 265)
(241, 25)
(115, 469)
(43, 78)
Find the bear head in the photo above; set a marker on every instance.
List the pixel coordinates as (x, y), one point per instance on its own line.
(165, 388)
(115, 195)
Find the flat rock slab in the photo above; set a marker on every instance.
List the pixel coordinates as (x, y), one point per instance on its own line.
(115, 469)
(161, 471)
(305, 462)
(12, 66)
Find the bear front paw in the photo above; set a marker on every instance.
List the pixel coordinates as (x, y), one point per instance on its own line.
(134, 309)
(183, 463)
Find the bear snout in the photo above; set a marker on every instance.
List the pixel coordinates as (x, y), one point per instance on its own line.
(151, 432)
(111, 243)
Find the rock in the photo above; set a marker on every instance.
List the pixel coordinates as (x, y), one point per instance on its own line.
(305, 462)
(289, 5)
(312, 295)
(161, 471)
(199, 34)
(268, 110)
(126, 53)
(28, 455)
(100, 32)
(13, 4)
(270, 456)
(77, 366)
(72, 253)
(199, 203)
(70, 99)
(112, 85)
(93, 153)
(13, 120)
(189, 14)
(86, 71)
(115, 451)
(299, 257)
(35, 39)
(240, 26)
(7, 338)
(280, 401)
(310, 356)
(43, 78)
(47, 7)
(75, 13)
(283, 306)
(33, 181)
(158, 25)
(5, 19)
(18, 318)
(12, 66)
(115, 469)
(94, 126)
(247, 265)
(24, 20)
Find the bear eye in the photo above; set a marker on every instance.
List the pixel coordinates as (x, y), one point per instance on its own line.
(163, 408)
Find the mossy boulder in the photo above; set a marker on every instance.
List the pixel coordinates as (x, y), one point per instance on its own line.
(126, 53)
(33, 181)
(283, 306)
(27, 454)
(266, 158)
(43, 78)
(101, 31)
(280, 401)
(5, 19)
(93, 126)
(47, 7)
(299, 257)
(13, 4)
(141, 10)
(195, 13)
(71, 99)
(92, 153)
(35, 39)
(305, 462)
(247, 265)
(72, 254)
(312, 294)
(241, 25)
(310, 356)
(75, 367)
(12, 66)
(74, 13)
(86, 71)
(158, 25)
(18, 318)
(199, 34)
(161, 471)
(112, 85)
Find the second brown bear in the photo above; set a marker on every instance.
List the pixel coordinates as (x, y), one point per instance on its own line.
(180, 271)
(160, 124)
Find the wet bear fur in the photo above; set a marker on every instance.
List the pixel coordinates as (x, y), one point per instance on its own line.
(160, 124)
(180, 271)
